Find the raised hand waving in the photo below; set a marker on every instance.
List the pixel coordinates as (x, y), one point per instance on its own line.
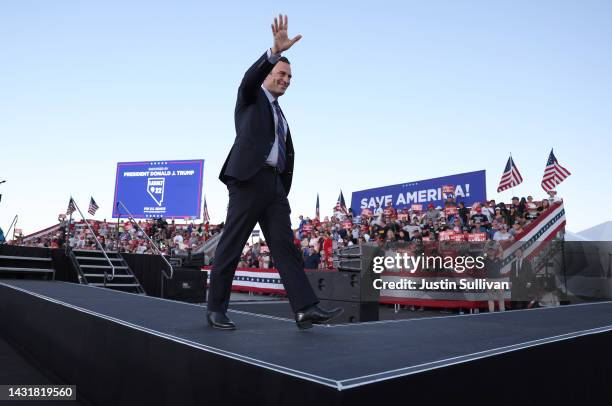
(281, 38)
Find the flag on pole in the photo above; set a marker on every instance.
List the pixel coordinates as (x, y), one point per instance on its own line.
(553, 173)
(341, 204)
(511, 176)
(71, 207)
(205, 215)
(317, 209)
(93, 206)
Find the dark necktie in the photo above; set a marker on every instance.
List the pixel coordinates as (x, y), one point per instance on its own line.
(280, 132)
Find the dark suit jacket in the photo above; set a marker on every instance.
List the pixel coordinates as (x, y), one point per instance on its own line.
(255, 132)
(525, 275)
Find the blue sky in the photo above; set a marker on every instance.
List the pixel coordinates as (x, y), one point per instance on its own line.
(382, 93)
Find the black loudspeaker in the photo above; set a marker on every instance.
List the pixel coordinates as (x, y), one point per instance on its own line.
(347, 286)
(352, 286)
(354, 312)
(358, 258)
(187, 285)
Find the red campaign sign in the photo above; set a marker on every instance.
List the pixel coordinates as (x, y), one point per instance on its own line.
(402, 216)
(448, 189)
(417, 207)
(347, 225)
(457, 237)
(307, 227)
(450, 211)
(444, 235)
(477, 237)
(329, 252)
(366, 213)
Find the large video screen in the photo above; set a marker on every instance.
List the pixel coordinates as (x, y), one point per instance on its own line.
(466, 187)
(154, 189)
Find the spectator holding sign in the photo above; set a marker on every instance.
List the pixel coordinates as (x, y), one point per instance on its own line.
(390, 212)
(450, 201)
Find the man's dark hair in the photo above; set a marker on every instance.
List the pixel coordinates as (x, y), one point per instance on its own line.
(283, 59)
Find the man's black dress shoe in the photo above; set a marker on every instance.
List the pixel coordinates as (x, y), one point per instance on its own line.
(315, 315)
(220, 320)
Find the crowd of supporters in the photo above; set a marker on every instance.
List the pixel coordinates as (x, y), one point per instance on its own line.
(484, 221)
(317, 239)
(171, 238)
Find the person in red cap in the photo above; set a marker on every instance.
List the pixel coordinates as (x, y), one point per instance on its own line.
(479, 221)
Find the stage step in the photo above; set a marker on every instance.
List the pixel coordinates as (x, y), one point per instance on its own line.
(91, 274)
(25, 267)
(98, 259)
(101, 275)
(17, 269)
(95, 252)
(97, 255)
(25, 258)
(104, 266)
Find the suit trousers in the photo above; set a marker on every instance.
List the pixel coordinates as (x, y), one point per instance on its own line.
(260, 199)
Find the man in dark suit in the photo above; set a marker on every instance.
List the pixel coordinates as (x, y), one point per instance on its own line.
(258, 173)
(521, 278)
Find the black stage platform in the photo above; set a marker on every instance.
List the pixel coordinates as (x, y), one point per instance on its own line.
(121, 348)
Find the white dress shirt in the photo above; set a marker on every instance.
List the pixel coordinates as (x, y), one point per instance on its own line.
(272, 159)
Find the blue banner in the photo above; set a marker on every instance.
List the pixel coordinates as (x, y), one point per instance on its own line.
(159, 188)
(467, 187)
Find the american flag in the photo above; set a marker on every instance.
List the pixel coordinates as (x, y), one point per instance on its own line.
(205, 215)
(553, 173)
(511, 176)
(341, 204)
(93, 206)
(317, 210)
(71, 207)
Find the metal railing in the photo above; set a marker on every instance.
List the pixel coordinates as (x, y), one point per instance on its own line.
(110, 277)
(151, 242)
(13, 224)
